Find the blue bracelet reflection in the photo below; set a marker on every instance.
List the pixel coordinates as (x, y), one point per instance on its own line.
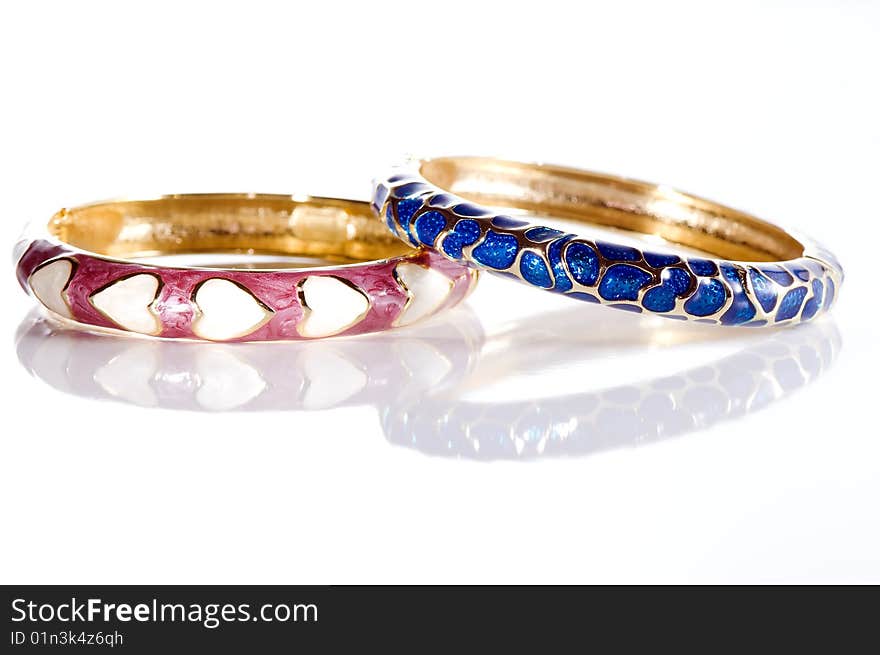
(765, 370)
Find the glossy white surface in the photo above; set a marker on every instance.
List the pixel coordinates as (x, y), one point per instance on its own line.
(678, 453)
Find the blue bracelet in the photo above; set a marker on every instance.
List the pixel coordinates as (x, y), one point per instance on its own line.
(755, 274)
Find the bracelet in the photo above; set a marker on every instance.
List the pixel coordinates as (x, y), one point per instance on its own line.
(97, 266)
(756, 274)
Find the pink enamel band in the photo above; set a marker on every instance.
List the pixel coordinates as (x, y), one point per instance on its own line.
(92, 265)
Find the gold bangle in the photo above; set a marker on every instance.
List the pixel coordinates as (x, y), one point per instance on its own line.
(94, 265)
(758, 274)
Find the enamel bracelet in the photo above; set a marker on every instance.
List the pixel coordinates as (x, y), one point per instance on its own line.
(112, 265)
(753, 273)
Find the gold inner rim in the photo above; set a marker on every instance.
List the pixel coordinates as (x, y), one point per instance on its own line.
(344, 231)
(606, 200)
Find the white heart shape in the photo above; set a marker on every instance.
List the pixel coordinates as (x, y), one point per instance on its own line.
(227, 311)
(331, 305)
(48, 284)
(127, 303)
(428, 290)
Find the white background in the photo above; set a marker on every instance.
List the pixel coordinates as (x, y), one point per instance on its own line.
(769, 106)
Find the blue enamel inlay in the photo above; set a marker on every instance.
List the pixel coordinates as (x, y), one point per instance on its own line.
(465, 233)
(583, 262)
(467, 209)
(586, 297)
(778, 275)
(635, 309)
(389, 218)
(813, 304)
(623, 282)
(410, 189)
(791, 304)
(829, 293)
(801, 273)
(765, 290)
(554, 254)
(399, 177)
(679, 280)
(659, 299)
(617, 252)
(675, 282)
(657, 259)
(429, 225)
(405, 211)
(703, 267)
(496, 250)
(534, 270)
(452, 245)
(442, 200)
(469, 231)
(542, 234)
(507, 222)
(741, 310)
(707, 299)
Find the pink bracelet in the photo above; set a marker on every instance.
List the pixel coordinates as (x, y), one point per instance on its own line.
(95, 265)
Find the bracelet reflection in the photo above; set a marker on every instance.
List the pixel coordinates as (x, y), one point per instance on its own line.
(571, 386)
(252, 376)
(760, 370)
